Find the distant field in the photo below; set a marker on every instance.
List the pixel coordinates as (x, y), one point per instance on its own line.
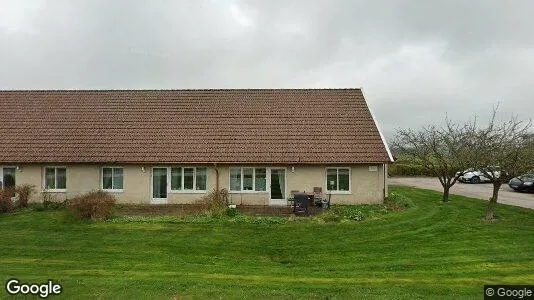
(430, 250)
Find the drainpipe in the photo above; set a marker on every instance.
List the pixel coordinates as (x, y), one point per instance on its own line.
(384, 172)
(216, 180)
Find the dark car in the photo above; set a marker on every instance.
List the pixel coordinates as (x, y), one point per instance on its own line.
(523, 183)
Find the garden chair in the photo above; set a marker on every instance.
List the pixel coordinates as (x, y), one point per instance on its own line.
(318, 195)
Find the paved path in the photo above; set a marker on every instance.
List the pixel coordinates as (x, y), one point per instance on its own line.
(480, 191)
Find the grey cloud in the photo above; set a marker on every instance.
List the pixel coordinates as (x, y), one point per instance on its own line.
(416, 60)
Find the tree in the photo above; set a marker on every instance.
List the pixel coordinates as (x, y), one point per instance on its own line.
(502, 151)
(441, 150)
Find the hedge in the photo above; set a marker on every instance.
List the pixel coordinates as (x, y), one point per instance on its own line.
(400, 169)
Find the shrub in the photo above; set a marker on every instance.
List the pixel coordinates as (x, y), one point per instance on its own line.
(331, 215)
(93, 205)
(6, 204)
(341, 213)
(49, 202)
(54, 205)
(354, 214)
(231, 212)
(37, 206)
(215, 203)
(396, 201)
(408, 169)
(24, 192)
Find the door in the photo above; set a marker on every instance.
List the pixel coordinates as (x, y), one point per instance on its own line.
(7, 177)
(277, 190)
(159, 185)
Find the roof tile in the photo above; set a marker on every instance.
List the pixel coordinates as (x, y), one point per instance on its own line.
(189, 126)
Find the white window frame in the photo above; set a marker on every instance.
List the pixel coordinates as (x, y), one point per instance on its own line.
(334, 192)
(183, 190)
(112, 190)
(55, 179)
(2, 174)
(253, 191)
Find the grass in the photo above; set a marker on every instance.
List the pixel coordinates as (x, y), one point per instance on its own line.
(430, 250)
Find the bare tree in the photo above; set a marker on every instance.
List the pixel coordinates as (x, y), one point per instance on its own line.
(502, 151)
(441, 150)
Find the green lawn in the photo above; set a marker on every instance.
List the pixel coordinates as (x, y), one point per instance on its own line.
(430, 249)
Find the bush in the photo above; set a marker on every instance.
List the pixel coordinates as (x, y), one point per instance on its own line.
(331, 215)
(397, 202)
(37, 206)
(232, 212)
(93, 205)
(342, 213)
(215, 203)
(24, 193)
(354, 214)
(6, 204)
(49, 202)
(407, 169)
(55, 205)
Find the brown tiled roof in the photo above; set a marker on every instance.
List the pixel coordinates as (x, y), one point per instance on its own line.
(189, 126)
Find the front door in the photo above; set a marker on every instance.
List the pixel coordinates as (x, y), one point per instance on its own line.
(7, 177)
(277, 186)
(159, 185)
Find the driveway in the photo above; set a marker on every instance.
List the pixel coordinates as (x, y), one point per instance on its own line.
(480, 191)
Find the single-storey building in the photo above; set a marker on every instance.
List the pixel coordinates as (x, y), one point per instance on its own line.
(173, 146)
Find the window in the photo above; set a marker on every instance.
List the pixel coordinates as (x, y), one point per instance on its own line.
(260, 179)
(7, 177)
(112, 178)
(189, 179)
(189, 175)
(235, 179)
(55, 178)
(201, 176)
(338, 179)
(176, 179)
(248, 179)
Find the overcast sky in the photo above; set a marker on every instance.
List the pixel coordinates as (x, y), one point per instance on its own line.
(415, 60)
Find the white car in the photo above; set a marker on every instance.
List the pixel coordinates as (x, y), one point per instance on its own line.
(476, 176)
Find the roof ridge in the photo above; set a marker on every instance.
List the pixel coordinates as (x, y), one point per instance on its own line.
(174, 90)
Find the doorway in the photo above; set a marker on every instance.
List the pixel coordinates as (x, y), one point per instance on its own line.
(159, 185)
(277, 185)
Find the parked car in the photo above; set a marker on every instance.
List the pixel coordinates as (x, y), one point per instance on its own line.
(477, 176)
(523, 183)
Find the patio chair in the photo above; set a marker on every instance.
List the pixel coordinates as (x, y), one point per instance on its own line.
(326, 203)
(318, 195)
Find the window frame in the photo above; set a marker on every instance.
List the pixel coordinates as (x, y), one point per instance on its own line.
(334, 192)
(242, 191)
(2, 167)
(54, 190)
(183, 190)
(112, 190)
